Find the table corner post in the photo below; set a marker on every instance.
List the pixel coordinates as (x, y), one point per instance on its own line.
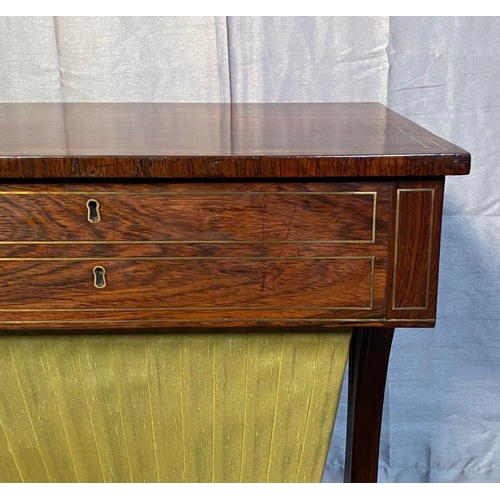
(368, 360)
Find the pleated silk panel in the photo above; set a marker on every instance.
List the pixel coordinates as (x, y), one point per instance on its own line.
(168, 407)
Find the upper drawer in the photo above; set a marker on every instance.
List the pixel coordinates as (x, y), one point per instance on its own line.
(165, 213)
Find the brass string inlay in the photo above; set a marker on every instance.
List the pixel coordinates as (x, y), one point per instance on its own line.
(180, 242)
(184, 193)
(50, 259)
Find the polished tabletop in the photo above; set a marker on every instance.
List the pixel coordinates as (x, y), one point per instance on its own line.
(218, 140)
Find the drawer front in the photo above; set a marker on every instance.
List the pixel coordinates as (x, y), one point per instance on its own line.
(188, 212)
(193, 255)
(220, 283)
(192, 291)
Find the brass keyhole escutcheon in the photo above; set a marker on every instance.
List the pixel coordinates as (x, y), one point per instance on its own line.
(93, 214)
(99, 276)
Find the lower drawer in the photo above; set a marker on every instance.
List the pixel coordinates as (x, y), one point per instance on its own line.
(191, 290)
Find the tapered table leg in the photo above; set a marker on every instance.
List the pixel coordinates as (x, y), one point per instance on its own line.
(368, 360)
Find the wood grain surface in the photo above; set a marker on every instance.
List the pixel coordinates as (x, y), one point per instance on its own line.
(213, 284)
(170, 213)
(232, 254)
(202, 141)
(415, 242)
(194, 253)
(60, 292)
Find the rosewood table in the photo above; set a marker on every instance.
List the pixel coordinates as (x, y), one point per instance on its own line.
(181, 284)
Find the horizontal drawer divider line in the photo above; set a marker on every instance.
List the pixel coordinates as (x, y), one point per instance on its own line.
(182, 242)
(411, 309)
(228, 308)
(185, 193)
(51, 259)
(409, 320)
(205, 320)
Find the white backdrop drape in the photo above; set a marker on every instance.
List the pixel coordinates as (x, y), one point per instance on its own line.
(442, 411)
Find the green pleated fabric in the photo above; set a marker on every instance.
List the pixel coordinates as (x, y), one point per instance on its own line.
(208, 407)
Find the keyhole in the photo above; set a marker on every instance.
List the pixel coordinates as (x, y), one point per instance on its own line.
(99, 277)
(93, 215)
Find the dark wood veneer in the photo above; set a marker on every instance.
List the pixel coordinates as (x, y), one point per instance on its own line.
(227, 215)
(195, 284)
(225, 141)
(368, 360)
(414, 255)
(220, 212)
